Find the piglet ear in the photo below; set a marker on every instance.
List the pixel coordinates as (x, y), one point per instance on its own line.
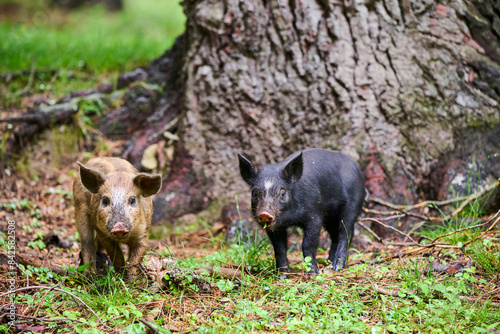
(247, 170)
(293, 170)
(91, 178)
(149, 184)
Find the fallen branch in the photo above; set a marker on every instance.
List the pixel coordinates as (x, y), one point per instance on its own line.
(369, 230)
(154, 327)
(47, 116)
(403, 209)
(418, 205)
(44, 319)
(391, 228)
(9, 76)
(60, 290)
(398, 214)
(220, 309)
(40, 118)
(30, 80)
(482, 234)
(395, 243)
(471, 198)
(466, 228)
(439, 245)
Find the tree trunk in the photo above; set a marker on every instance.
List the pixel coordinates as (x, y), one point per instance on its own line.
(408, 88)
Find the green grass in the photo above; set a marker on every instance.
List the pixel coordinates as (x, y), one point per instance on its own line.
(80, 49)
(484, 251)
(91, 37)
(352, 301)
(398, 296)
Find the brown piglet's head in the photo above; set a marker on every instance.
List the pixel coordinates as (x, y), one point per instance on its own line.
(119, 199)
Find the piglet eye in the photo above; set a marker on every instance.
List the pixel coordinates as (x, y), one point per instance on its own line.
(255, 194)
(105, 201)
(132, 200)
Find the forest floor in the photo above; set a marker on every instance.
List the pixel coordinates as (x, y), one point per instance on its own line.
(198, 282)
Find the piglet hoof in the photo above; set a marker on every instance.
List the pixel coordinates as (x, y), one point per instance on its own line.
(283, 273)
(310, 274)
(337, 267)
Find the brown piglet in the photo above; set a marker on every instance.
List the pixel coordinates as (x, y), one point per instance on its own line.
(113, 206)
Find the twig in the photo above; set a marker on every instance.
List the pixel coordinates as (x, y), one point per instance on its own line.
(220, 309)
(153, 327)
(392, 293)
(481, 235)
(12, 75)
(43, 299)
(475, 300)
(369, 230)
(165, 128)
(472, 197)
(399, 214)
(465, 228)
(433, 244)
(44, 319)
(395, 243)
(466, 200)
(489, 293)
(418, 205)
(30, 80)
(391, 228)
(60, 290)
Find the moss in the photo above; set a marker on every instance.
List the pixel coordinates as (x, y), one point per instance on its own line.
(53, 149)
(63, 141)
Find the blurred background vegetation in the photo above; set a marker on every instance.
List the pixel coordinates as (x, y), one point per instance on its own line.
(89, 36)
(90, 43)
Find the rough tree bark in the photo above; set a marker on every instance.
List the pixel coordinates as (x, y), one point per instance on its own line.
(409, 89)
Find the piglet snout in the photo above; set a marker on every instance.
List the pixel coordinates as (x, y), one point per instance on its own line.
(119, 231)
(265, 218)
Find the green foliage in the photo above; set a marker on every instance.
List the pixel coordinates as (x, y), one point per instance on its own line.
(306, 265)
(3, 240)
(23, 204)
(348, 302)
(90, 38)
(486, 253)
(38, 242)
(255, 255)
